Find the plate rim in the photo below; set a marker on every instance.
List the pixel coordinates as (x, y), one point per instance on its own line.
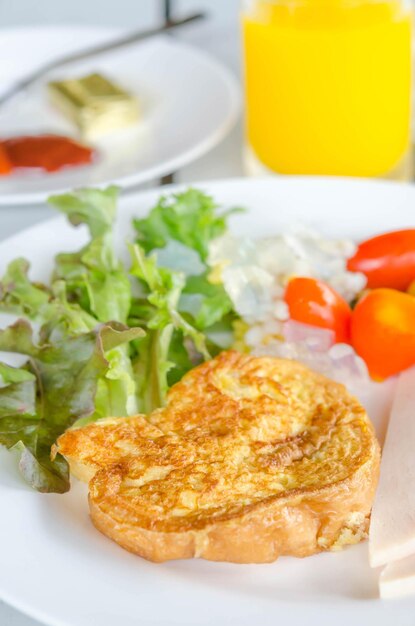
(127, 195)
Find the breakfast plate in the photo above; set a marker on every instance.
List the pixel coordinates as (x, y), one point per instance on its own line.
(199, 90)
(59, 570)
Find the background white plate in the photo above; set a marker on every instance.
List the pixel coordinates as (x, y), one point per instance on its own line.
(189, 102)
(57, 568)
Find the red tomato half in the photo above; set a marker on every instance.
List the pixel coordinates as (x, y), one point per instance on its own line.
(387, 260)
(313, 302)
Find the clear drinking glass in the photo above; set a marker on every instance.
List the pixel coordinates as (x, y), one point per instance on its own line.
(328, 86)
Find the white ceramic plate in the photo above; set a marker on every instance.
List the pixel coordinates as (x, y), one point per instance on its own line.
(189, 102)
(59, 569)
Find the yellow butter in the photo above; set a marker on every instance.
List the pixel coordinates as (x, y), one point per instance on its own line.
(95, 104)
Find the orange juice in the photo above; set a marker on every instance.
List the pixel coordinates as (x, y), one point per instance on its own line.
(328, 85)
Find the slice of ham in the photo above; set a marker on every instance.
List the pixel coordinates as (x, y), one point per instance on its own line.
(392, 528)
(398, 579)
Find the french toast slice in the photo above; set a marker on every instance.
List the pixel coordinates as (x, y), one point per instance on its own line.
(252, 458)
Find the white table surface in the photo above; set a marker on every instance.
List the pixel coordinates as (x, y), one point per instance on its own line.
(218, 35)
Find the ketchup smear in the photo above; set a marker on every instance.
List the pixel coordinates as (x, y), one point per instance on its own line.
(49, 153)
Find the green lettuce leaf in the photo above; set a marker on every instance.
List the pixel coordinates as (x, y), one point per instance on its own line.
(61, 320)
(158, 310)
(56, 387)
(97, 282)
(190, 217)
(95, 278)
(179, 230)
(17, 395)
(207, 303)
(181, 356)
(18, 295)
(94, 207)
(48, 306)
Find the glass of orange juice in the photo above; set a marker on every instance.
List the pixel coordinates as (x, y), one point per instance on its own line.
(328, 86)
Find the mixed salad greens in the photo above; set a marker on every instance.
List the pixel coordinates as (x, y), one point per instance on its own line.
(103, 340)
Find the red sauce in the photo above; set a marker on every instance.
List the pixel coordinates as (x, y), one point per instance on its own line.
(5, 165)
(49, 153)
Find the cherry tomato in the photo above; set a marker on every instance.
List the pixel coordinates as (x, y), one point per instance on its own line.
(387, 260)
(383, 331)
(313, 302)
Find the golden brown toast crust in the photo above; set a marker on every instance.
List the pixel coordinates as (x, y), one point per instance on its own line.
(252, 458)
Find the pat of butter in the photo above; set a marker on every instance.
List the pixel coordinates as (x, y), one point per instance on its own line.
(392, 527)
(95, 104)
(398, 579)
